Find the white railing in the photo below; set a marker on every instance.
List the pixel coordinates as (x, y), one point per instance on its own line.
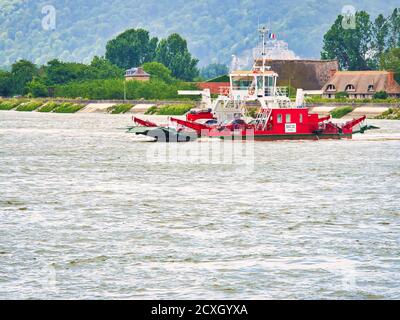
(278, 91)
(282, 91)
(269, 91)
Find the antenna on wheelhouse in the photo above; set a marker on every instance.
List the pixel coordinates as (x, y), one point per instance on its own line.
(264, 32)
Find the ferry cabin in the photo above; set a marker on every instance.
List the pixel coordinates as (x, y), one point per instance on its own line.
(291, 121)
(251, 85)
(258, 85)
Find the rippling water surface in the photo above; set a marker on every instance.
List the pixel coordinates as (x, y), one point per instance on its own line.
(85, 212)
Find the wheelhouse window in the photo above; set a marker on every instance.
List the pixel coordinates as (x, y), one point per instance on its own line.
(350, 87)
(269, 81)
(288, 118)
(301, 118)
(269, 85)
(242, 83)
(279, 118)
(259, 82)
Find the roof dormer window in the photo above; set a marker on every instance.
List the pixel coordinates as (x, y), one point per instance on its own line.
(371, 88)
(331, 87)
(350, 87)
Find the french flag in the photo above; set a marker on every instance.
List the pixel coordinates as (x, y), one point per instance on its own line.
(272, 36)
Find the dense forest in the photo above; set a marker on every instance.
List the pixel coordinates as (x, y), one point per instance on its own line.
(214, 29)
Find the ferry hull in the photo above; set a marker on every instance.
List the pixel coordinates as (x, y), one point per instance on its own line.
(277, 137)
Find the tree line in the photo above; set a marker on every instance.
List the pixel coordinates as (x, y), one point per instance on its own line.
(366, 45)
(168, 61)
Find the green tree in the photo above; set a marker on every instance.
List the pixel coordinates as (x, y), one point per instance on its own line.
(22, 73)
(380, 31)
(57, 72)
(101, 68)
(174, 54)
(352, 47)
(159, 71)
(131, 48)
(5, 83)
(391, 61)
(214, 70)
(394, 29)
(37, 88)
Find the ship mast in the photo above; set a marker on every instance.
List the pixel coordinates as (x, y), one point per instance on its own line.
(264, 32)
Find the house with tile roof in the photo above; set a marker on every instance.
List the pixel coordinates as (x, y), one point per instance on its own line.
(137, 74)
(361, 84)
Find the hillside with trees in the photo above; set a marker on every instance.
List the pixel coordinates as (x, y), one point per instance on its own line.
(214, 29)
(168, 61)
(372, 43)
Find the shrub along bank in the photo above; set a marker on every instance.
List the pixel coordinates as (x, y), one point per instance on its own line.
(391, 114)
(40, 106)
(340, 112)
(113, 89)
(170, 110)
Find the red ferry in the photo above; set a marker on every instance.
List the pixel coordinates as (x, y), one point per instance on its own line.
(277, 119)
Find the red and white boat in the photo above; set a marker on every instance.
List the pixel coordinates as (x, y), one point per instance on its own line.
(277, 119)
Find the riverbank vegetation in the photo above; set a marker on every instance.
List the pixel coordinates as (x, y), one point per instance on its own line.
(170, 110)
(48, 107)
(116, 89)
(72, 107)
(68, 107)
(9, 104)
(174, 109)
(168, 61)
(318, 99)
(29, 106)
(120, 108)
(40, 106)
(390, 114)
(340, 112)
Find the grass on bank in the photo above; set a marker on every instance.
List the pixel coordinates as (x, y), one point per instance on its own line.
(319, 99)
(174, 109)
(152, 110)
(390, 114)
(120, 108)
(9, 104)
(340, 112)
(29, 106)
(170, 110)
(68, 107)
(40, 106)
(48, 107)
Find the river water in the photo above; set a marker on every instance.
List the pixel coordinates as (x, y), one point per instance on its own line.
(88, 211)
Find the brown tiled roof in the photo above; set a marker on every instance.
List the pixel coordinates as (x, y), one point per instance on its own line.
(136, 72)
(251, 73)
(361, 80)
(305, 74)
